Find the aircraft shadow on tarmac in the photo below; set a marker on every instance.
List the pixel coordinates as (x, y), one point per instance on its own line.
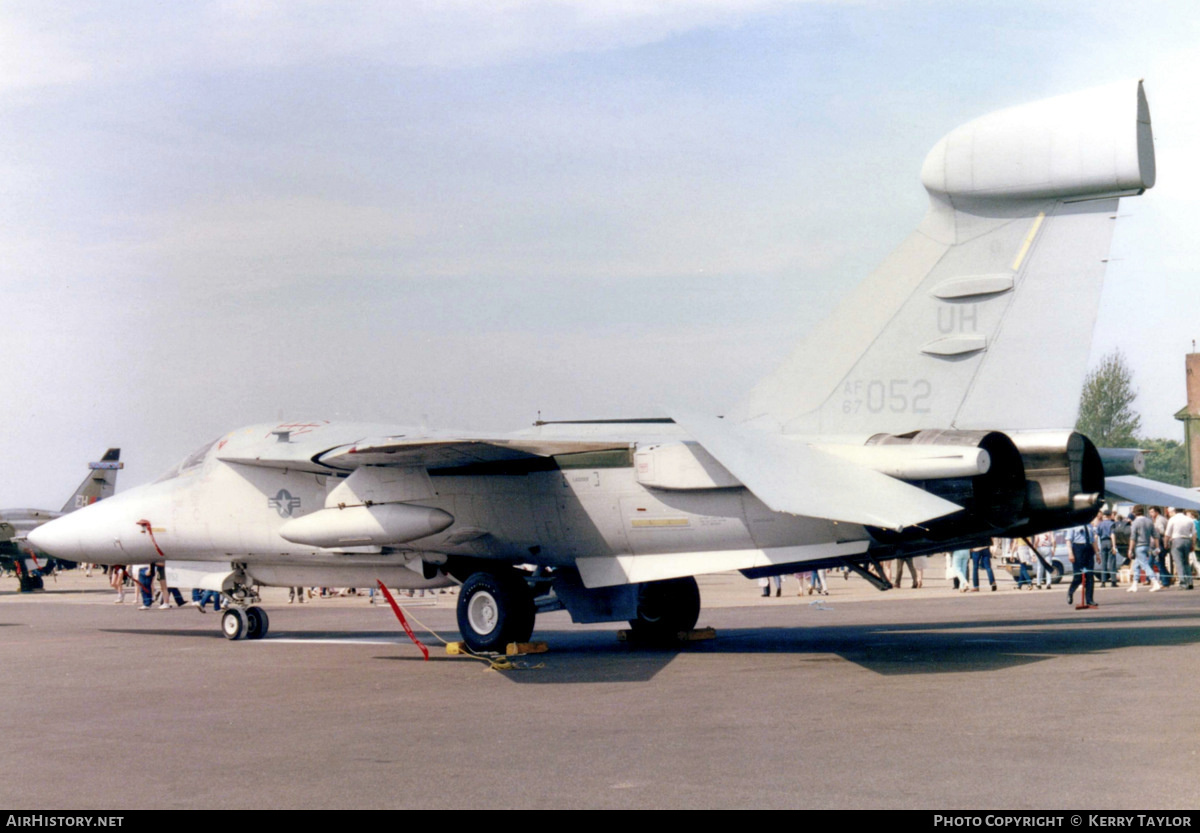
(591, 656)
(974, 645)
(51, 592)
(916, 648)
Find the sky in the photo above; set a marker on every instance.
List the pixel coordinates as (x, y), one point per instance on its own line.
(473, 214)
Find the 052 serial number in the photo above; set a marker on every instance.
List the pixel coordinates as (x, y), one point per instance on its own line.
(897, 396)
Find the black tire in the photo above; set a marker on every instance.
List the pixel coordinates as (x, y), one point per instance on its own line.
(257, 623)
(233, 623)
(1056, 572)
(495, 609)
(27, 582)
(666, 608)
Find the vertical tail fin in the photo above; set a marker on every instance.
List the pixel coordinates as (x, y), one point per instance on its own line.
(983, 317)
(100, 483)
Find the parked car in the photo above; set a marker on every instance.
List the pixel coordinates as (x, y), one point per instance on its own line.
(1059, 560)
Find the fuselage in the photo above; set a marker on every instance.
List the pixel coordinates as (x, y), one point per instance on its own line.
(547, 511)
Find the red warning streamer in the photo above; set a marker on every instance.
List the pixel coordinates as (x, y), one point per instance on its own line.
(404, 622)
(145, 525)
(148, 591)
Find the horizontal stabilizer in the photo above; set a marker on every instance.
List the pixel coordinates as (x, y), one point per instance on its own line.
(1151, 492)
(791, 476)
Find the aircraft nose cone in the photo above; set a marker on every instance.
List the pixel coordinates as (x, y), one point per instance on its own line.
(87, 534)
(59, 538)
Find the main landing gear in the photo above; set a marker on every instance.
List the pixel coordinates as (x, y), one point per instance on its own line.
(494, 609)
(497, 607)
(245, 623)
(666, 608)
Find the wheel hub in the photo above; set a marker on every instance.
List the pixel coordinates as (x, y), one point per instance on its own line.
(233, 624)
(483, 613)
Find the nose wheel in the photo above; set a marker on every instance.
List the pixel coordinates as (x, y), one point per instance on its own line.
(247, 623)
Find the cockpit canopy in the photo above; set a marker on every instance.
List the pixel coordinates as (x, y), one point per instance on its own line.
(192, 461)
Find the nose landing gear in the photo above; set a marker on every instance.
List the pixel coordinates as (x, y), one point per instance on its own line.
(245, 623)
(243, 619)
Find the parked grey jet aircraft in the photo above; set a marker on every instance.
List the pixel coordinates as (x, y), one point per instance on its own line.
(17, 555)
(931, 411)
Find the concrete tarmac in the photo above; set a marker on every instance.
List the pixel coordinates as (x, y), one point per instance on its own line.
(924, 699)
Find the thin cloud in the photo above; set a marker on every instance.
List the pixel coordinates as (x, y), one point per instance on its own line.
(63, 44)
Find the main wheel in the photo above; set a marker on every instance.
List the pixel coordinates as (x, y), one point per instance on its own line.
(495, 609)
(257, 623)
(234, 623)
(1056, 572)
(665, 608)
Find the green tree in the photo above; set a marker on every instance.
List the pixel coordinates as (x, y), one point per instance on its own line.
(1106, 414)
(1166, 461)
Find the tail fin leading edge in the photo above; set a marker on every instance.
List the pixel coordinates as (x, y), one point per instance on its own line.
(983, 317)
(100, 483)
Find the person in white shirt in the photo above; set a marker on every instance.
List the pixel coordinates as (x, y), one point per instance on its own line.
(1179, 535)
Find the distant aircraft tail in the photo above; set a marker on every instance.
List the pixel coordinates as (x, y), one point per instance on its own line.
(983, 317)
(100, 483)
